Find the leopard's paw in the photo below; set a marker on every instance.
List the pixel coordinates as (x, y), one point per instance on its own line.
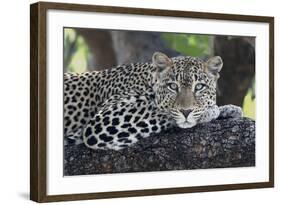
(230, 111)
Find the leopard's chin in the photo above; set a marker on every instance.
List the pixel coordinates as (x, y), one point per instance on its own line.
(186, 124)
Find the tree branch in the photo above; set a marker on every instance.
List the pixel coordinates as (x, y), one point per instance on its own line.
(221, 143)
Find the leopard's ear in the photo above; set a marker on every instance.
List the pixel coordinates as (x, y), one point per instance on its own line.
(161, 62)
(213, 66)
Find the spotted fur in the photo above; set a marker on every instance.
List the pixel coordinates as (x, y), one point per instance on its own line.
(115, 108)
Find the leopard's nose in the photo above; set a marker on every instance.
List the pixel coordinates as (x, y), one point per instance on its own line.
(186, 112)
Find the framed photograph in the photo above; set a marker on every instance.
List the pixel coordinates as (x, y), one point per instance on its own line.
(134, 102)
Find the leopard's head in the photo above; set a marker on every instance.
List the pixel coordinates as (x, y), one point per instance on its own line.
(185, 86)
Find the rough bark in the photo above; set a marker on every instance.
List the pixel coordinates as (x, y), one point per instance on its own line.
(218, 144)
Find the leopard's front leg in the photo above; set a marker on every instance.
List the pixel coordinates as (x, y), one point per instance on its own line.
(230, 111)
(209, 114)
(225, 111)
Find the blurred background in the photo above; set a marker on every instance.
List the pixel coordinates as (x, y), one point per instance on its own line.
(95, 49)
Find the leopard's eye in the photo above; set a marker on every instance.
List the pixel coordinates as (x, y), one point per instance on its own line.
(173, 86)
(199, 86)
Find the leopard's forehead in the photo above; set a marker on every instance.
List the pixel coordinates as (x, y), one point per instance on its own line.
(187, 70)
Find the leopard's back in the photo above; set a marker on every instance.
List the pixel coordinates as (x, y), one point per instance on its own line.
(85, 94)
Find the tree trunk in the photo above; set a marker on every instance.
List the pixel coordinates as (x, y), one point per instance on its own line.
(237, 74)
(135, 46)
(218, 144)
(100, 44)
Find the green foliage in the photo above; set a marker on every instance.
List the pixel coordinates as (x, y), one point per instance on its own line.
(249, 104)
(189, 44)
(76, 52)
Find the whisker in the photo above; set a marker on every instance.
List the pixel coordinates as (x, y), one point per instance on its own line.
(197, 115)
(175, 113)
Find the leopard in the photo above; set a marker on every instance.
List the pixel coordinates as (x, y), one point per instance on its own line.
(119, 106)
